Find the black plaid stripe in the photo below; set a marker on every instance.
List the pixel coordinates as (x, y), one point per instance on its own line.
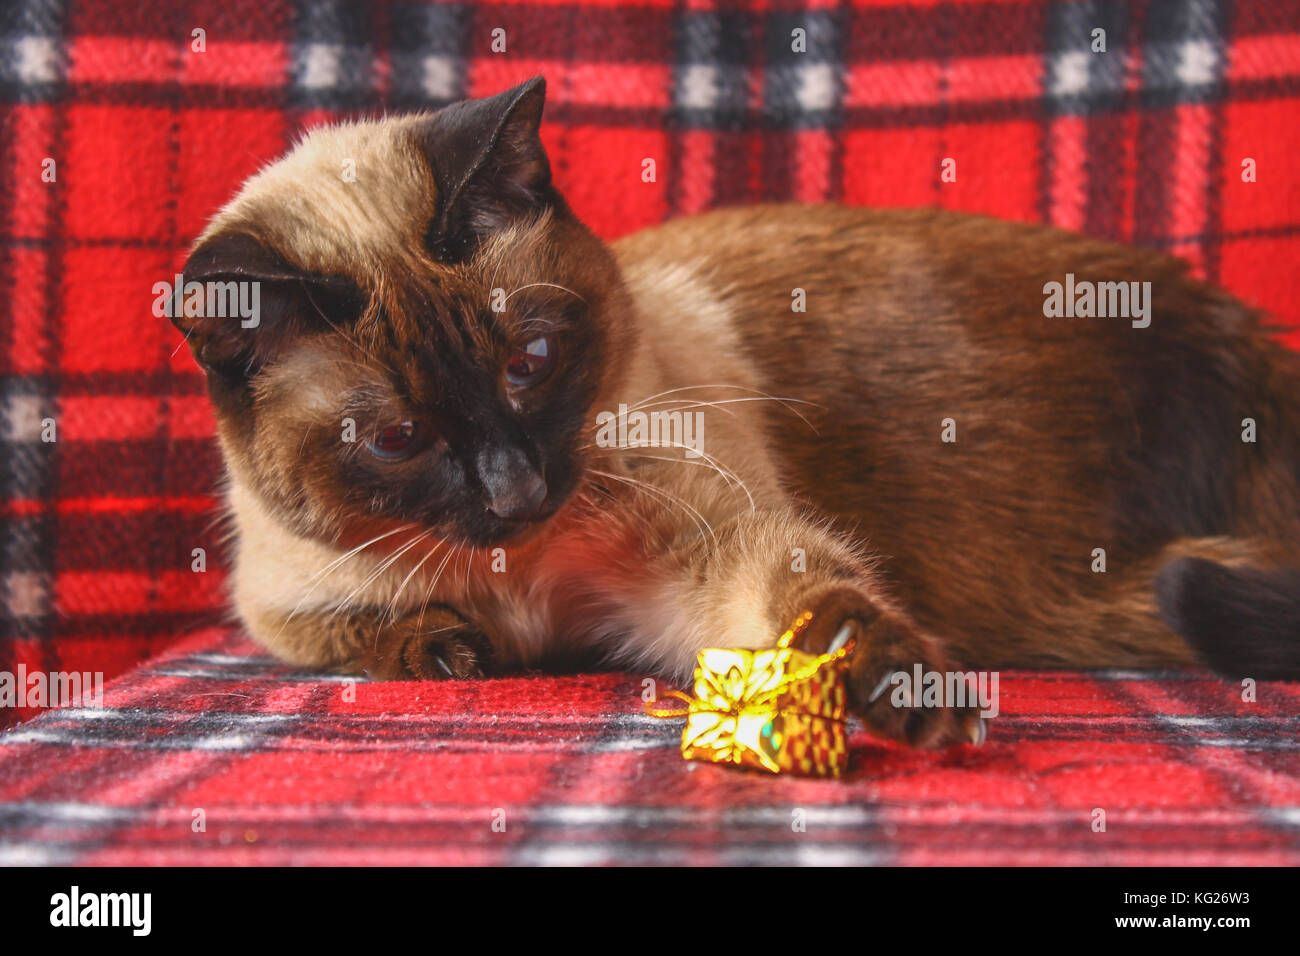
(31, 67)
(333, 56)
(1082, 82)
(25, 474)
(711, 91)
(428, 48)
(1216, 23)
(710, 88)
(26, 404)
(1078, 80)
(1183, 54)
(803, 90)
(27, 603)
(1182, 63)
(31, 56)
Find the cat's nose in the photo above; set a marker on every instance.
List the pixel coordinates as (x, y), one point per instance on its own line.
(514, 487)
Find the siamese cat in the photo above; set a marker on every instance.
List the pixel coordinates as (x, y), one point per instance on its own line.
(465, 436)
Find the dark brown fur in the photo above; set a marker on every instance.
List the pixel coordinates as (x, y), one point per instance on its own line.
(1073, 433)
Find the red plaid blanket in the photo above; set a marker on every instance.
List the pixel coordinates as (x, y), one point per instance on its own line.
(124, 125)
(213, 754)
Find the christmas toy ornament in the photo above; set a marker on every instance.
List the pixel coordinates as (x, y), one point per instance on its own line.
(779, 709)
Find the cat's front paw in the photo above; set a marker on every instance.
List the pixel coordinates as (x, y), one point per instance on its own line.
(458, 656)
(443, 646)
(883, 671)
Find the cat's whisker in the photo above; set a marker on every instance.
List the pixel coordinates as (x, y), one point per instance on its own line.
(392, 559)
(760, 396)
(184, 341)
(713, 460)
(710, 461)
(701, 522)
(424, 605)
(539, 325)
(727, 475)
(685, 403)
(379, 571)
(496, 269)
(437, 575)
(551, 285)
(392, 605)
(319, 577)
(442, 630)
(409, 526)
(744, 388)
(469, 560)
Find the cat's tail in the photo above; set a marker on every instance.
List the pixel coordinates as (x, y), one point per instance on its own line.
(1241, 621)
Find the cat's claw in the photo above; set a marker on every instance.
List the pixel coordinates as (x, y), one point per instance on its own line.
(454, 651)
(880, 689)
(455, 656)
(892, 711)
(841, 637)
(887, 648)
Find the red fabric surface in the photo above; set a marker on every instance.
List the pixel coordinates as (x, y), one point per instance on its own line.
(1142, 144)
(286, 770)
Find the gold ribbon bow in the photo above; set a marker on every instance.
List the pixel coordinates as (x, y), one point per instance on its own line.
(778, 709)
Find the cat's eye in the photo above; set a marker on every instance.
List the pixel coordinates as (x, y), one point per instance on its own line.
(393, 442)
(529, 365)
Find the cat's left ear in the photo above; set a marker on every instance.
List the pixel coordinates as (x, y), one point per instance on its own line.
(488, 165)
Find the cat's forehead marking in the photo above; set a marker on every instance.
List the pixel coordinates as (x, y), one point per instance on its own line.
(352, 198)
(476, 305)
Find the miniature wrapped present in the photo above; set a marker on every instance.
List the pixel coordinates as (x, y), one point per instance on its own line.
(779, 709)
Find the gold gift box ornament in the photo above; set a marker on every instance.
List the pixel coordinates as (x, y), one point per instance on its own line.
(780, 709)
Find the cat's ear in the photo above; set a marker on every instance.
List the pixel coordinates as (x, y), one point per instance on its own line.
(488, 164)
(240, 304)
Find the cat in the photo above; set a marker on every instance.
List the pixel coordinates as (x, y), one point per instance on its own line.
(429, 474)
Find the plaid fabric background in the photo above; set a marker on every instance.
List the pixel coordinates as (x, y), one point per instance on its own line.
(1143, 143)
